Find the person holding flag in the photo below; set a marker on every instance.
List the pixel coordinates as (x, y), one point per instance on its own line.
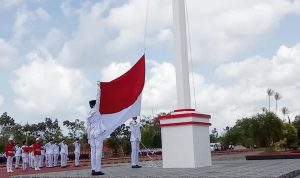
(95, 128)
(116, 102)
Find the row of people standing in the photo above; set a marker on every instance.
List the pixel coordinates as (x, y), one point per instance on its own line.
(37, 155)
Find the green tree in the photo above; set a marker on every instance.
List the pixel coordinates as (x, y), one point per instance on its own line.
(270, 92)
(277, 97)
(296, 124)
(119, 140)
(285, 111)
(75, 128)
(213, 137)
(290, 135)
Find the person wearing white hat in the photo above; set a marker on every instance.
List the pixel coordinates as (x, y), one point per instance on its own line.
(49, 153)
(25, 157)
(9, 152)
(55, 153)
(63, 154)
(77, 151)
(135, 139)
(37, 154)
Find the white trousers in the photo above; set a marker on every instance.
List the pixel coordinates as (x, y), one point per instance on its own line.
(25, 162)
(42, 160)
(77, 155)
(96, 153)
(63, 159)
(9, 163)
(135, 148)
(55, 159)
(50, 160)
(32, 161)
(37, 159)
(17, 161)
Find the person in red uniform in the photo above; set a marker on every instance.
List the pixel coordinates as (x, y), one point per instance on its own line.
(9, 152)
(37, 154)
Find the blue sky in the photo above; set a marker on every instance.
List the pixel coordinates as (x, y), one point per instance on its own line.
(53, 52)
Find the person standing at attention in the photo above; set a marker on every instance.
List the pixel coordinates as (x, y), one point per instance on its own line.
(135, 140)
(9, 152)
(37, 154)
(17, 155)
(77, 151)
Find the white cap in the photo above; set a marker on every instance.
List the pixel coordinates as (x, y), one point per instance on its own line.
(37, 139)
(11, 138)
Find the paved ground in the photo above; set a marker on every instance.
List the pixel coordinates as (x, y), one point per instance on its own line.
(225, 166)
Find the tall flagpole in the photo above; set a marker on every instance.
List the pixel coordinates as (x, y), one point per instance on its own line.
(185, 133)
(182, 66)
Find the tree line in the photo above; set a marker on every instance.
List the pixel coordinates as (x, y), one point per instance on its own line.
(119, 140)
(264, 129)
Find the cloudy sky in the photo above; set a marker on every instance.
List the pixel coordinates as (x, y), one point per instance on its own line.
(53, 52)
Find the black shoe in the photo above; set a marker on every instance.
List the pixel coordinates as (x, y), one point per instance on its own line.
(138, 166)
(97, 173)
(93, 172)
(135, 166)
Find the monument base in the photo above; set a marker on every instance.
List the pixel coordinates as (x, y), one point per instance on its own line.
(185, 139)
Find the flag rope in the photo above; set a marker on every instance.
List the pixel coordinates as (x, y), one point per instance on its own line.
(190, 51)
(146, 25)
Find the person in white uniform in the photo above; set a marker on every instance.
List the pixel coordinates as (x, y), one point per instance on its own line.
(63, 153)
(95, 129)
(49, 153)
(18, 150)
(56, 153)
(135, 140)
(77, 151)
(25, 156)
(42, 161)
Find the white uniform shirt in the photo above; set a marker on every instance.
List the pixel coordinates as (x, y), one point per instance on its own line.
(95, 125)
(56, 149)
(77, 147)
(49, 148)
(43, 150)
(18, 151)
(63, 148)
(24, 154)
(135, 128)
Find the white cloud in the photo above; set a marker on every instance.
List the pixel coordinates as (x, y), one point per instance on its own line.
(159, 92)
(25, 19)
(45, 87)
(9, 3)
(52, 42)
(1, 103)
(221, 29)
(114, 70)
(88, 41)
(245, 94)
(8, 53)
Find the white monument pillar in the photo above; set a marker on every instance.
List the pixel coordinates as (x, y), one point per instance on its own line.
(185, 133)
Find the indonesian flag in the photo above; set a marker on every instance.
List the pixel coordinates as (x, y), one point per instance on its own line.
(120, 99)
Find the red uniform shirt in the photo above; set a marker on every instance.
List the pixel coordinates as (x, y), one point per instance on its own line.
(37, 148)
(9, 149)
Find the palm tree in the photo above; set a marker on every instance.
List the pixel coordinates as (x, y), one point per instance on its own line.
(277, 97)
(285, 111)
(270, 92)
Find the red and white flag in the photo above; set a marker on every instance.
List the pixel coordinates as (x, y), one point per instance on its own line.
(120, 99)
